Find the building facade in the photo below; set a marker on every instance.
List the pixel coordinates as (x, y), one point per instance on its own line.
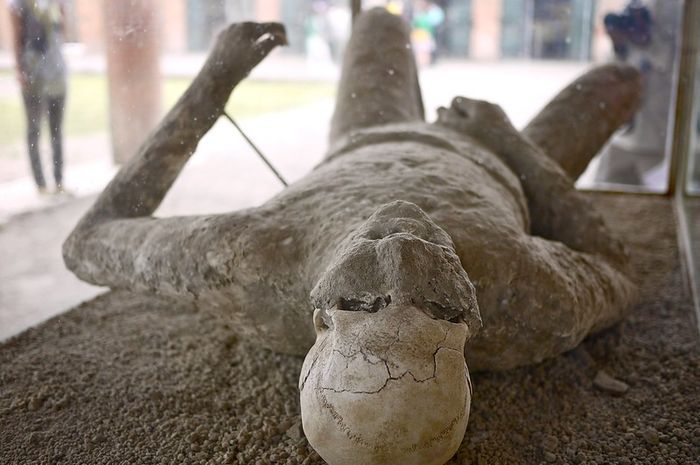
(476, 29)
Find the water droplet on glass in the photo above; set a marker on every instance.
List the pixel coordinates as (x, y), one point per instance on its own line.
(602, 105)
(353, 95)
(578, 86)
(391, 71)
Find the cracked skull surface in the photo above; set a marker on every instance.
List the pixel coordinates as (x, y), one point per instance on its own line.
(385, 387)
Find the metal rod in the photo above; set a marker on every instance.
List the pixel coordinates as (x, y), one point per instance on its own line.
(257, 150)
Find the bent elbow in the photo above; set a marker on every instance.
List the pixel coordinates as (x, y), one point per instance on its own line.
(71, 252)
(77, 254)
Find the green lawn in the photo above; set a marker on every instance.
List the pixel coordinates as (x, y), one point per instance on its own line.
(87, 102)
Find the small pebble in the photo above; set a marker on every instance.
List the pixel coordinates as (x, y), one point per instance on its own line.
(651, 437)
(550, 443)
(518, 439)
(607, 383)
(295, 432)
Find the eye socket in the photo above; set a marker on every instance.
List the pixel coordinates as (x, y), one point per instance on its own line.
(357, 305)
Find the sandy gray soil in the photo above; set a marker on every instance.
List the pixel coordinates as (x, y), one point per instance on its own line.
(132, 379)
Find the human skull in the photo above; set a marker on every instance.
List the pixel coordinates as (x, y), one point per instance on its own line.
(385, 387)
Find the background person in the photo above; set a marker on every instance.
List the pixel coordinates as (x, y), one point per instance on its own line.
(644, 36)
(427, 17)
(41, 72)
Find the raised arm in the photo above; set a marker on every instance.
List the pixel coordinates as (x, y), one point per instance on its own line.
(141, 184)
(117, 243)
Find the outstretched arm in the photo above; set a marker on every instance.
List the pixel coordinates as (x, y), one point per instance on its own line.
(567, 276)
(117, 243)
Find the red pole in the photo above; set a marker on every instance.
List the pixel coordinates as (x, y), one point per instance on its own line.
(133, 73)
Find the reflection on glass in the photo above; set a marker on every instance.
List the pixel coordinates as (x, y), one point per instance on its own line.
(694, 145)
(517, 53)
(646, 36)
(41, 74)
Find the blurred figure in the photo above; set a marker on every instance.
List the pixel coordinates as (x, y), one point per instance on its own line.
(339, 25)
(41, 72)
(327, 30)
(317, 47)
(631, 28)
(427, 17)
(643, 35)
(395, 7)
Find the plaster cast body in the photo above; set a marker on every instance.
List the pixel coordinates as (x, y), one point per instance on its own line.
(403, 220)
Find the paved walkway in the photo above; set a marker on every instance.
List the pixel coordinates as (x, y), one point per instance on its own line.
(224, 175)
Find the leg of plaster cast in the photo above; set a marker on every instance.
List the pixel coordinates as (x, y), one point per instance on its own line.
(116, 244)
(379, 81)
(572, 128)
(559, 298)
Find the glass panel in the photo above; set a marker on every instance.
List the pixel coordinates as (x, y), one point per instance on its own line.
(513, 27)
(693, 183)
(517, 53)
(523, 51)
(689, 202)
(456, 29)
(647, 36)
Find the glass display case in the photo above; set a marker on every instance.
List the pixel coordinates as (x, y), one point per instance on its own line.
(163, 353)
(688, 149)
(516, 53)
